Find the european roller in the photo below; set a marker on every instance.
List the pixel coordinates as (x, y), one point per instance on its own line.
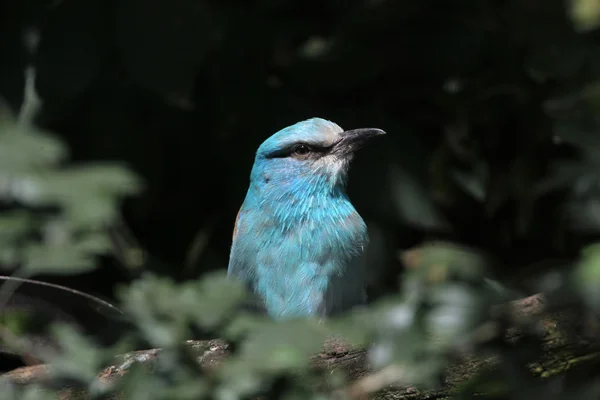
(298, 239)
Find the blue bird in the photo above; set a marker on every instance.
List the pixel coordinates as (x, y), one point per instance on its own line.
(298, 239)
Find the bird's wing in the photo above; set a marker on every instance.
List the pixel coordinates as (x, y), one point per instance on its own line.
(240, 256)
(235, 225)
(269, 264)
(242, 259)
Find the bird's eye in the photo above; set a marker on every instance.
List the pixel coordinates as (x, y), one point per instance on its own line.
(300, 150)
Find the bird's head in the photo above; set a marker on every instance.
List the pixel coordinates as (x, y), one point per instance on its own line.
(312, 153)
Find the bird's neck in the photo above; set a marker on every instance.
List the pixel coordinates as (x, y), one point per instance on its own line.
(313, 198)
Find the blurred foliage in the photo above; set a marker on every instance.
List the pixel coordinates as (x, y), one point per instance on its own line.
(489, 174)
(68, 223)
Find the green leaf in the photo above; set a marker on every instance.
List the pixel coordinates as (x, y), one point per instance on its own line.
(444, 298)
(91, 179)
(585, 14)
(80, 358)
(191, 389)
(15, 224)
(217, 298)
(472, 183)
(587, 276)
(29, 392)
(137, 384)
(413, 203)
(456, 313)
(25, 150)
(154, 305)
(163, 309)
(401, 341)
(68, 257)
(281, 346)
(440, 261)
(99, 190)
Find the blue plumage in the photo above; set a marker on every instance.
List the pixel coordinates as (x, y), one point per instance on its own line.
(297, 238)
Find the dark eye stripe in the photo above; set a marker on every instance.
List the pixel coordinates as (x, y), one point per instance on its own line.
(289, 150)
(301, 149)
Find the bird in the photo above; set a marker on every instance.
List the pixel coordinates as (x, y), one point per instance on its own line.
(297, 239)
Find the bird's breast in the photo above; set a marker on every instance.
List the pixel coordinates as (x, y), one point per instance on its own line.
(331, 234)
(301, 258)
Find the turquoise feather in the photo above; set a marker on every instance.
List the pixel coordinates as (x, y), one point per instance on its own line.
(298, 239)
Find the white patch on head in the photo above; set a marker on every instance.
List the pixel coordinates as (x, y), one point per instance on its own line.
(318, 130)
(331, 129)
(335, 168)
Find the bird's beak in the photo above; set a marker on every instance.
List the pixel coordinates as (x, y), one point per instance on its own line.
(355, 139)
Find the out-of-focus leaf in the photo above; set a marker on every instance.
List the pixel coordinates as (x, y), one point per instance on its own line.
(442, 303)
(213, 300)
(26, 150)
(355, 327)
(591, 95)
(473, 184)
(153, 304)
(546, 58)
(455, 314)
(402, 342)
(575, 119)
(585, 14)
(390, 179)
(243, 323)
(25, 155)
(408, 182)
(17, 321)
(271, 348)
(441, 261)
(30, 392)
(240, 381)
(412, 202)
(315, 47)
(562, 175)
(138, 385)
(80, 360)
(70, 257)
(14, 225)
(190, 389)
(587, 276)
(94, 203)
(101, 179)
(283, 346)
(582, 206)
(208, 304)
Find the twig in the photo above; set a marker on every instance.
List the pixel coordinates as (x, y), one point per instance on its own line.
(31, 101)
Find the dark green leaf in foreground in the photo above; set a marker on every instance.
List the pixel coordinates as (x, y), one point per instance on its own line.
(441, 305)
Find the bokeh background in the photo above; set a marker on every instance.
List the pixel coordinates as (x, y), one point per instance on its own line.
(490, 108)
(485, 189)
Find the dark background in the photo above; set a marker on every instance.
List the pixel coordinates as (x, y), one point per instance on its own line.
(489, 108)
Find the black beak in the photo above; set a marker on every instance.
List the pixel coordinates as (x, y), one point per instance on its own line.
(355, 139)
